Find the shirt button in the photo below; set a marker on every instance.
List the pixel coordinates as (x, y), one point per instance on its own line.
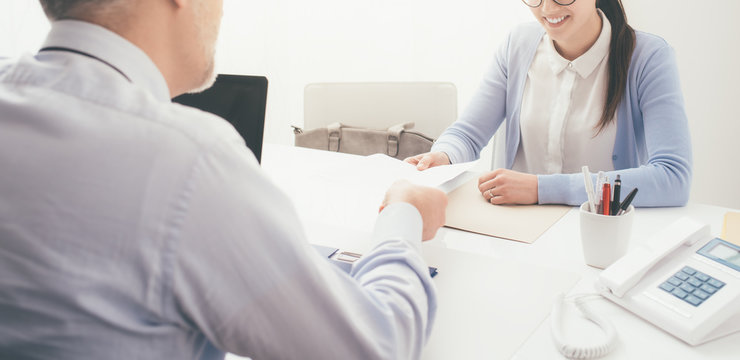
(570, 65)
(614, 157)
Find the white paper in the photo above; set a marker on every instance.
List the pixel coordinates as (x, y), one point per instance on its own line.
(386, 170)
(345, 189)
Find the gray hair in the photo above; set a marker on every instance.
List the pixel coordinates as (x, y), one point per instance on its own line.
(70, 9)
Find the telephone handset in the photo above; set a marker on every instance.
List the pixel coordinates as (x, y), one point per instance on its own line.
(682, 280)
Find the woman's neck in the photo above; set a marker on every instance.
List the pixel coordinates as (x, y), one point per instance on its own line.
(578, 44)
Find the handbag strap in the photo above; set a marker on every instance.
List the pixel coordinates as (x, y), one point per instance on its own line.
(334, 131)
(394, 137)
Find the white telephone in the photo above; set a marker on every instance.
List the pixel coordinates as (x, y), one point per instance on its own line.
(682, 280)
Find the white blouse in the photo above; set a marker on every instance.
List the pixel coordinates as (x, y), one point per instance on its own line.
(561, 106)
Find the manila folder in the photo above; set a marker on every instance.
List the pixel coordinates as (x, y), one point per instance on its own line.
(468, 210)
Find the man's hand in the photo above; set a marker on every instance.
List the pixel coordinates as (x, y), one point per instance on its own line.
(503, 186)
(430, 202)
(428, 160)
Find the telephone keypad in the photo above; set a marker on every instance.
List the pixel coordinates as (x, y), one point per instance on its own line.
(675, 282)
(691, 286)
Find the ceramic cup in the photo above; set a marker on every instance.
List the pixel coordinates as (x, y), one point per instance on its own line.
(605, 238)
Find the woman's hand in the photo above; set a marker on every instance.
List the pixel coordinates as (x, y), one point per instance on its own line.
(428, 160)
(503, 186)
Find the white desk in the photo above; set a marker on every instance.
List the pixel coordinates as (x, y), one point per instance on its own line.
(334, 209)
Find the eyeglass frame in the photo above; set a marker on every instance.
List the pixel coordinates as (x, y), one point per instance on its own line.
(556, 1)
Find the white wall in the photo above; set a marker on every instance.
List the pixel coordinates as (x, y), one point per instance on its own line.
(23, 27)
(298, 42)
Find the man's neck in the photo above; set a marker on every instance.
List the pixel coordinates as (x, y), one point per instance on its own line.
(153, 38)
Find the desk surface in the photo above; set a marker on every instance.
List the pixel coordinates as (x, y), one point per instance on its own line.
(351, 211)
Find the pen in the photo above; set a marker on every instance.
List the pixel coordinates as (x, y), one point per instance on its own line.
(607, 194)
(627, 201)
(615, 195)
(589, 189)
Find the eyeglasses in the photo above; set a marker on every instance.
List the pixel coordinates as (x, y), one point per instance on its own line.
(537, 3)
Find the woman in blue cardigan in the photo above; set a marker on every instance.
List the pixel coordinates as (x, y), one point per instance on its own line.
(579, 88)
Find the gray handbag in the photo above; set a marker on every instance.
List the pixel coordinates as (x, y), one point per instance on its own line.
(396, 142)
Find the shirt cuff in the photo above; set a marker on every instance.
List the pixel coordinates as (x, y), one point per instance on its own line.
(399, 220)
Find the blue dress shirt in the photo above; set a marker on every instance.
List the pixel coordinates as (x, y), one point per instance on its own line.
(134, 228)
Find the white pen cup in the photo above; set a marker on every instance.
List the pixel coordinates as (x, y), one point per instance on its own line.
(605, 238)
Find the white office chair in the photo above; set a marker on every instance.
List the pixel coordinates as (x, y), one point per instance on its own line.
(431, 106)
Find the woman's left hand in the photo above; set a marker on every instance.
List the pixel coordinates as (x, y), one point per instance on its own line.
(503, 186)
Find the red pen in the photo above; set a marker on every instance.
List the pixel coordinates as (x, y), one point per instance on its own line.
(606, 197)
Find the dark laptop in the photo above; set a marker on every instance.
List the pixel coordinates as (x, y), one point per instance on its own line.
(239, 99)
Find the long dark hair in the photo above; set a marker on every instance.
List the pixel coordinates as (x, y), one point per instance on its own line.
(620, 53)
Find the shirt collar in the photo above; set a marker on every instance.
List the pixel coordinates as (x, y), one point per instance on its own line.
(112, 48)
(585, 64)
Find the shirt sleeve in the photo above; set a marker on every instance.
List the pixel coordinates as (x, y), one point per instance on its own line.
(664, 179)
(464, 139)
(246, 278)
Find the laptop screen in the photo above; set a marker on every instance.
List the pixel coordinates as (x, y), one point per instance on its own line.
(239, 99)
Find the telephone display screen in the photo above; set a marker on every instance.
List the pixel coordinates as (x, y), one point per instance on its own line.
(726, 253)
(721, 251)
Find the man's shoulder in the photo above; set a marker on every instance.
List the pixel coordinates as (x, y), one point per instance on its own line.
(91, 96)
(200, 126)
(6, 63)
(165, 119)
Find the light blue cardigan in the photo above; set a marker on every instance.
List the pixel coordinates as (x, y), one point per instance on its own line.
(652, 150)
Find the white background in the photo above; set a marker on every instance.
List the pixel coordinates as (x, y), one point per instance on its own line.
(296, 42)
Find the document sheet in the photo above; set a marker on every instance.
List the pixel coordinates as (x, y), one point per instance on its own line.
(386, 170)
(340, 188)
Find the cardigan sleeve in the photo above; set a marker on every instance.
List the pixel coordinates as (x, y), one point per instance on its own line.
(662, 145)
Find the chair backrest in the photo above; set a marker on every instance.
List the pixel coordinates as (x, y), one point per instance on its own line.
(431, 106)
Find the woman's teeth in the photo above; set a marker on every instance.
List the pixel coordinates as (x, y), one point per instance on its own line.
(555, 20)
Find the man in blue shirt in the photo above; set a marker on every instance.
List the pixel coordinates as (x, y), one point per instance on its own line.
(134, 228)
